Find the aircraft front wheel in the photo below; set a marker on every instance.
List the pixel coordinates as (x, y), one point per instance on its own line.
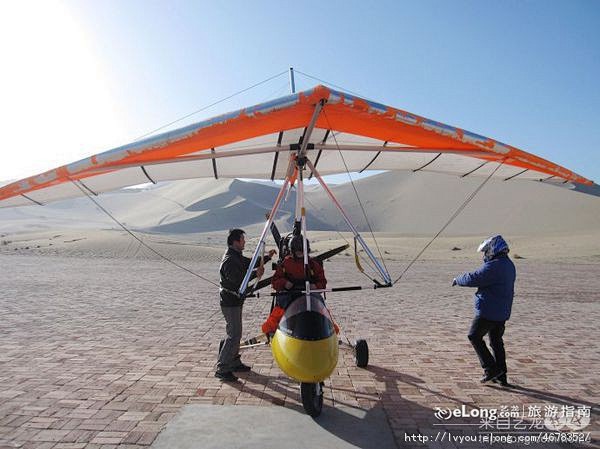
(361, 353)
(312, 398)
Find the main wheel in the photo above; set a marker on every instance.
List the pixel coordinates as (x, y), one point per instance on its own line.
(361, 353)
(312, 398)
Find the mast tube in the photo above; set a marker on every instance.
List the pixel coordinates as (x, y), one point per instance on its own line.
(292, 81)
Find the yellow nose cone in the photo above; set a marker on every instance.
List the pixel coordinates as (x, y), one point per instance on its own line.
(305, 360)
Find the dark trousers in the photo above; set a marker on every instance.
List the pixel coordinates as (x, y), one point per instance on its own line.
(495, 329)
(229, 356)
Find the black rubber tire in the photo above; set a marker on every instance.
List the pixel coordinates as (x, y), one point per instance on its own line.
(311, 401)
(221, 343)
(361, 353)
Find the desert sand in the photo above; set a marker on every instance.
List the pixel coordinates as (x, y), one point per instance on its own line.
(101, 342)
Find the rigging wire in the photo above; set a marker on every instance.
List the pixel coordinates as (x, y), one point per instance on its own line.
(454, 215)
(330, 84)
(356, 192)
(145, 245)
(212, 104)
(277, 93)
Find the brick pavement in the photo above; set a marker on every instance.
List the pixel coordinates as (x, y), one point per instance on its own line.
(99, 353)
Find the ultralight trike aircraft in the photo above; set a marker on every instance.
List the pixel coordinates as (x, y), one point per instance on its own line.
(309, 134)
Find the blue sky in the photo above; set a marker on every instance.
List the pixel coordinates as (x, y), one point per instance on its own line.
(523, 72)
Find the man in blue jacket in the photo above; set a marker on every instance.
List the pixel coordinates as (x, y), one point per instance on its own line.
(495, 281)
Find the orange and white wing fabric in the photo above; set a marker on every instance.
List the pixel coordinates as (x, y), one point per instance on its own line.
(256, 142)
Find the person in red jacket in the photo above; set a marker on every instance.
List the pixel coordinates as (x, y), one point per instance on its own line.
(290, 276)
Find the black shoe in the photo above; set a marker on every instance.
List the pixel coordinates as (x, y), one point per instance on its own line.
(241, 368)
(493, 375)
(226, 376)
(502, 381)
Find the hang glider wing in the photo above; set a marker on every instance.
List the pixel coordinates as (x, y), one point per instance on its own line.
(350, 134)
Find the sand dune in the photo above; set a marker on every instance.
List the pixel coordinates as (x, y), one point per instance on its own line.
(409, 204)
(420, 203)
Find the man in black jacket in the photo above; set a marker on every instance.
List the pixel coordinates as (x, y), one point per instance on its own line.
(233, 269)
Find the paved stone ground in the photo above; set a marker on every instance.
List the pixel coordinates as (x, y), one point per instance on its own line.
(98, 352)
